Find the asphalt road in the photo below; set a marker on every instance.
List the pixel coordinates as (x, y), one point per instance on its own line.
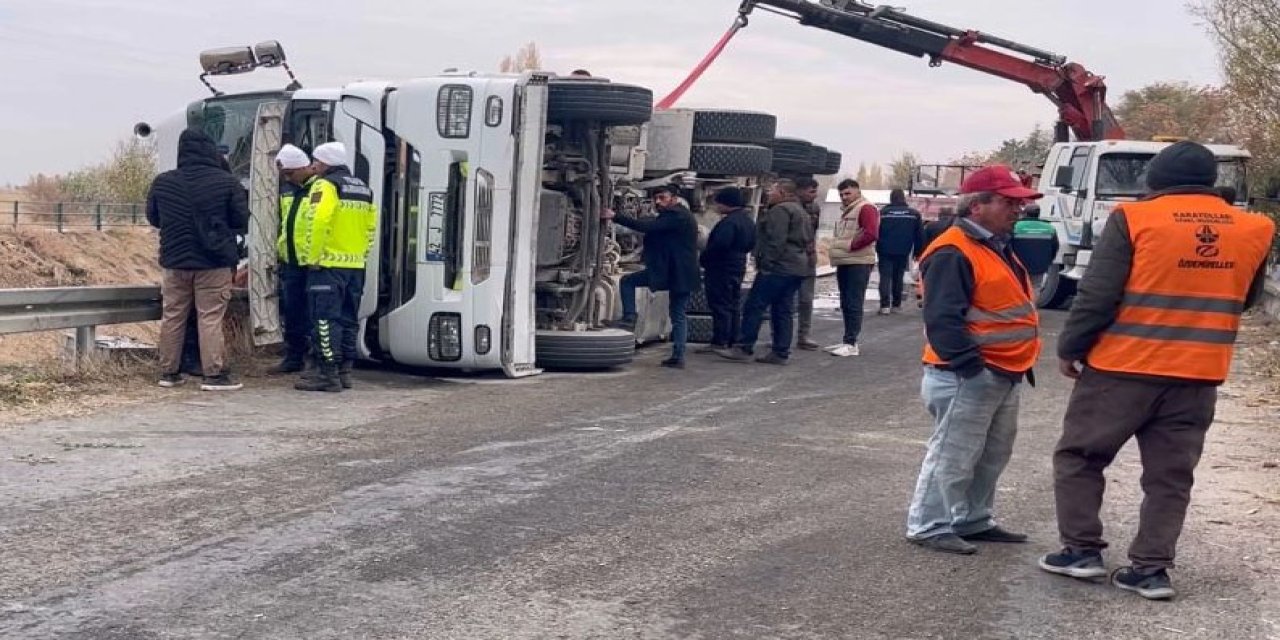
(724, 501)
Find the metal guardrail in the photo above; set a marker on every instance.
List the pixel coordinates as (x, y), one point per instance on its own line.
(71, 216)
(52, 308)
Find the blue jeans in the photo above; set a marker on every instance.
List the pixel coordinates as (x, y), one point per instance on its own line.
(778, 294)
(627, 290)
(679, 302)
(975, 422)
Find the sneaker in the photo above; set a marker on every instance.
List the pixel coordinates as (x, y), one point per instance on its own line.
(222, 382)
(884, 311)
(772, 358)
(897, 308)
(844, 350)
(832, 347)
(807, 344)
(737, 354)
(673, 363)
(1152, 586)
(996, 534)
(171, 380)
(1084, 565)
(946, 543)
(707, 348)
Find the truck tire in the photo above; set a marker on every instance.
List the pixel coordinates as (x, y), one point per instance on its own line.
(741, 127)
(584, 350)
(791, 155)
(608, 103)
(715, 158)
(1055, 290)
(817, 159)
(832, 164)
(700, 328)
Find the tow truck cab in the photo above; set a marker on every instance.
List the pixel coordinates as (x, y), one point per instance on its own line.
(1083, 182)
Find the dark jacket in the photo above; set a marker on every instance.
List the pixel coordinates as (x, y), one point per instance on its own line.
(729, 243)
(198, 207)
(1035, 242)
(815, 219)
(783, 235)
(1101, 291)
(948, 286)
(670, 249)
(901, 231)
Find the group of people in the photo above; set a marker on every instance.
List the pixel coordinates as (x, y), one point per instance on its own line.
(327, 222)
(1148, 340)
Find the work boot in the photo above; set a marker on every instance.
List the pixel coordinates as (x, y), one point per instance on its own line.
(344, 373)
(807, 343)
(326, 380)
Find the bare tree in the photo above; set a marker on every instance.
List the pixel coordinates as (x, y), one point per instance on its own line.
(1176, 109)
(526, 58)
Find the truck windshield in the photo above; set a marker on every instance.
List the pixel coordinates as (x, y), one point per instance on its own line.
(229, 120)
(1124, 175)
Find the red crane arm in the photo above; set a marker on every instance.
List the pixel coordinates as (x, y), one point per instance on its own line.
(1081, 96)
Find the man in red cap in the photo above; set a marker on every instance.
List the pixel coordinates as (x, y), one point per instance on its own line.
(982, 338)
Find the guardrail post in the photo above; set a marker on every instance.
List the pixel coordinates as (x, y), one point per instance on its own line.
(15, 215)
(86, 344)
(134, 210)
(57, 209)
(97, 216)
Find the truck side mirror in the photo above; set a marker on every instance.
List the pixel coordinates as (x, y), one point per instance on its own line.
(1064, 177)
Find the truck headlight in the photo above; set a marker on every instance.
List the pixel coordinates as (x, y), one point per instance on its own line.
(444, 337)
(453, 111)
(483, 339)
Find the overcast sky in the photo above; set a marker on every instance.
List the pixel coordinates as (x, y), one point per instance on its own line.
(79, 73)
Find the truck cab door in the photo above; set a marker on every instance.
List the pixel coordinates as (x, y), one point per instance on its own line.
(359, 123)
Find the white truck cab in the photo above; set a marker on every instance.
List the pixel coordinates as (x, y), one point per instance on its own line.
(1083, 182)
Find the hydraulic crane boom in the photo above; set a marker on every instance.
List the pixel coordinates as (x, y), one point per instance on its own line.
(1081, 96)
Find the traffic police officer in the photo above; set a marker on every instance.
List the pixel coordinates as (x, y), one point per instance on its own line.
(295, 210)
(335, 242)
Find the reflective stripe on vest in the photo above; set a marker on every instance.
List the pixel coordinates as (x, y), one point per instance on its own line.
(1001, 319)
(1194, 258)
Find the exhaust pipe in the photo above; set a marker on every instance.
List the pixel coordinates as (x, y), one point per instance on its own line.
(142, 131)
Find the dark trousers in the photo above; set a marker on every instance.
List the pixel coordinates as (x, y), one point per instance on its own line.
(852, 280)
(892, 270)
(1169, 421)
(335, 306)
(724, 296)
(295, 312)
(191, 346)
(677, 306)
(778, 294)
(627, 291)
(804, 306)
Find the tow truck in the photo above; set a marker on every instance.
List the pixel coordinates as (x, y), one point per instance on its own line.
(1091, 166)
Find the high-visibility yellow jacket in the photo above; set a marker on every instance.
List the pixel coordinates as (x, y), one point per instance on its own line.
(341, 222)
(296, 211)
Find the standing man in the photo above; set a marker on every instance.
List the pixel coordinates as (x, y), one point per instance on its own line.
(807, 194)
(982, 338)
(296, 212)
(336, 242)
(901, 239)
(724, 262)
(1035, 242)
(199, 208)
(853, 253)
(671, 265)
(1148, 341)
(783, 234)
(946, 217)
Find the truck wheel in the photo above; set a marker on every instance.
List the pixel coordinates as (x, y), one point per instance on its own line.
(584, 350)
(741, 127)
(817, 159)
(1054, 290)
(714, 158)
(605, 102)
(832, 164)
(791, 155)
(700, 329)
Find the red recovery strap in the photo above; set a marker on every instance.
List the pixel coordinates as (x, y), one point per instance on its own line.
(667, 102)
